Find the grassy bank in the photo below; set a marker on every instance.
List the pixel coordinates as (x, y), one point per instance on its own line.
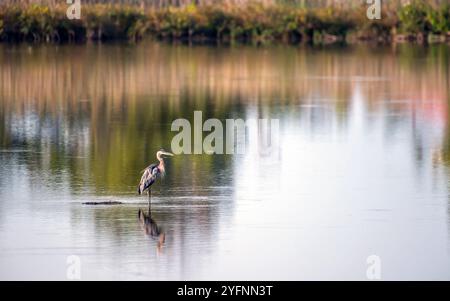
(254, 23)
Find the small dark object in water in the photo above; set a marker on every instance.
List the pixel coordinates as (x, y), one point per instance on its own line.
(103, 203)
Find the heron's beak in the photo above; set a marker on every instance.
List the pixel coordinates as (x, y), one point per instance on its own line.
(167, 154)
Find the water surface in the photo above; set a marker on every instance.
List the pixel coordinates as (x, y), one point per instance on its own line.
(361, 169)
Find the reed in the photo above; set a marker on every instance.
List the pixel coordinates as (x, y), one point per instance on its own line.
(251, 22)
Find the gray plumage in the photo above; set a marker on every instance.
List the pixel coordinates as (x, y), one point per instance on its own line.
(149, 177)
(152, 172)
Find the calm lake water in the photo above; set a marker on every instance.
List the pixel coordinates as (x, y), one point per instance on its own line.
(361, 168)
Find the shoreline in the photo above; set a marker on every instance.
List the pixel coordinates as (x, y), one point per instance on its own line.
(246, 24)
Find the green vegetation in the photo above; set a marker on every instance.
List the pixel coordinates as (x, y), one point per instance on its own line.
(252, 22)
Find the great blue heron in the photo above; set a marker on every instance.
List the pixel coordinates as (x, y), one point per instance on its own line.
(151, 173)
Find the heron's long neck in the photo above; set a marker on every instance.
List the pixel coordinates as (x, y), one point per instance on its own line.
(161, 165)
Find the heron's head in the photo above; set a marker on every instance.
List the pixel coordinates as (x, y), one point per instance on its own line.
(161, 153)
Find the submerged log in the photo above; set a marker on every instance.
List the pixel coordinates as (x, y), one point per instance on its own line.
(103, 203)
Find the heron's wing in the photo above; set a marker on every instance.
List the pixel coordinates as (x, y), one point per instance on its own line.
(143, 180)
(148, 177)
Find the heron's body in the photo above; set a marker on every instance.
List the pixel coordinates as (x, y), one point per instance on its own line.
(152, 173)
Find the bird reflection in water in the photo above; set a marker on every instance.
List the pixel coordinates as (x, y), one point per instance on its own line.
(150, 228)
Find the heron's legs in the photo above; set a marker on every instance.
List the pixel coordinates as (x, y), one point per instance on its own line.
(149, 192)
